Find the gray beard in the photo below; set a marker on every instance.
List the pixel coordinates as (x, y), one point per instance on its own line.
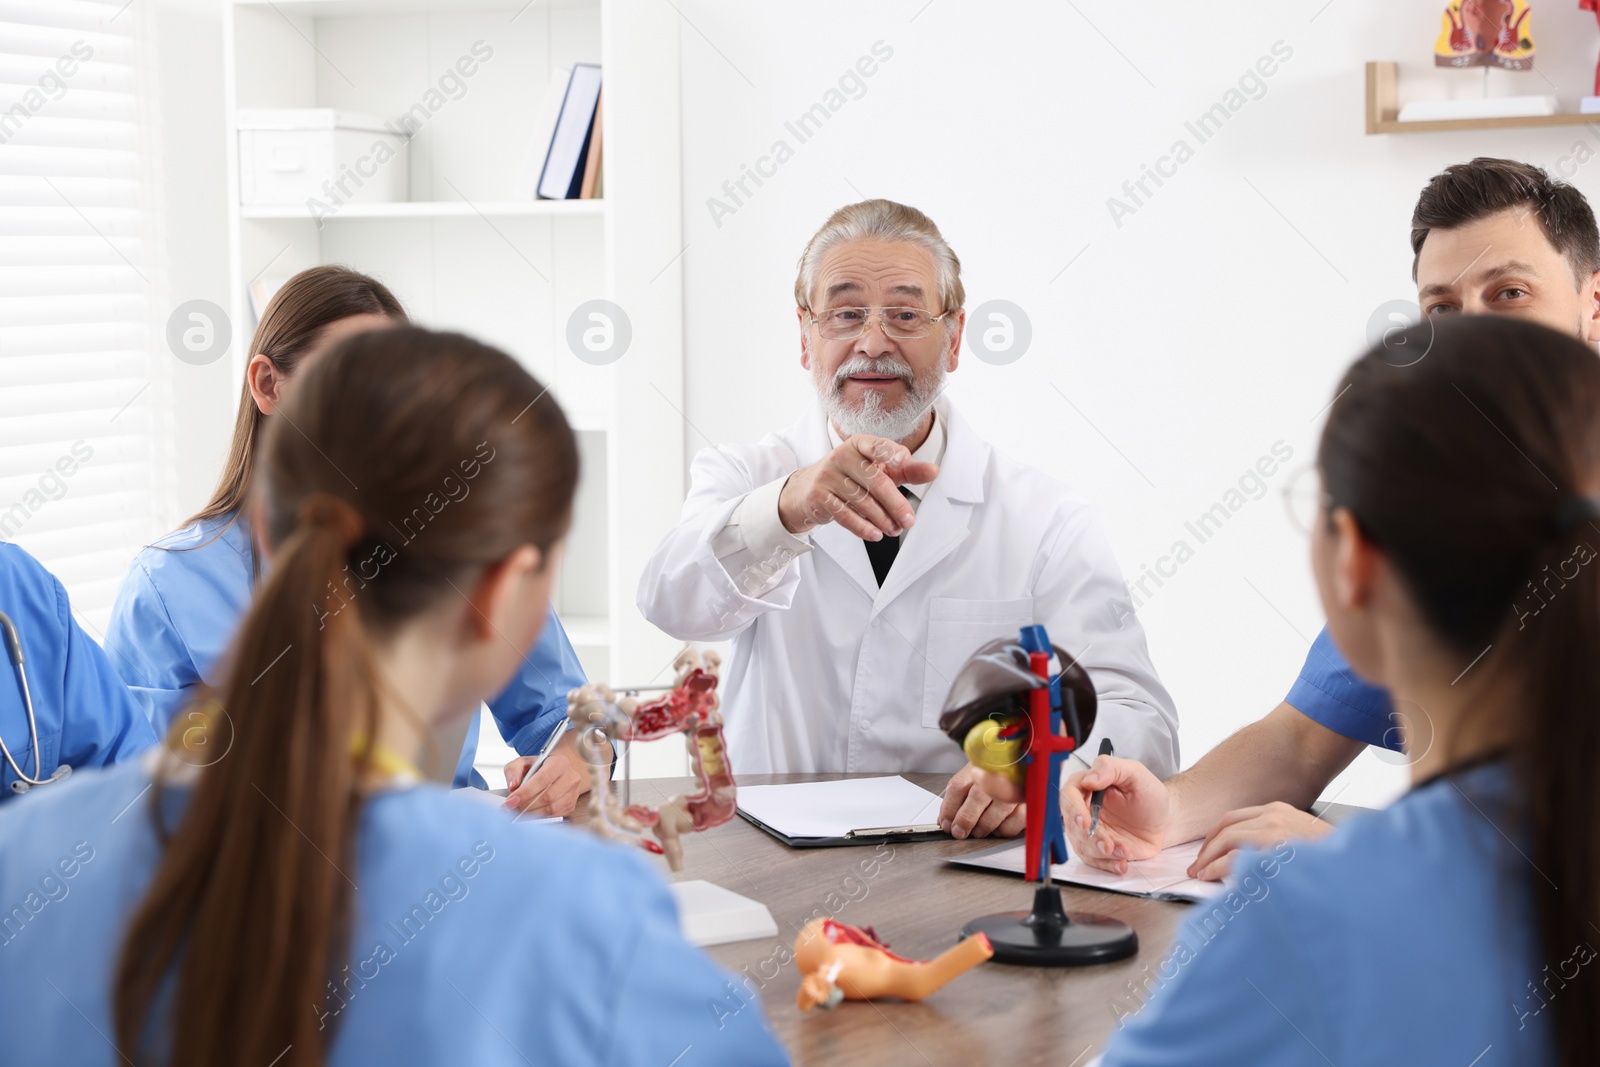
(872, 418)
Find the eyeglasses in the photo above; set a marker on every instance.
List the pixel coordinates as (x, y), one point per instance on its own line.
(899, 323)
(1304, 496)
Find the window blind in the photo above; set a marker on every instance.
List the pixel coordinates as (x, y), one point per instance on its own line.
(84, 460)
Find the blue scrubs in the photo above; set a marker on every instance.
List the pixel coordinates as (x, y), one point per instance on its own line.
(177, 609)
(1329, 692)
(476, 939)
(84, 713)
(1407, 937)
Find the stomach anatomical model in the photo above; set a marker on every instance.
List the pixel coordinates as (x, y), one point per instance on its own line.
(840, 962)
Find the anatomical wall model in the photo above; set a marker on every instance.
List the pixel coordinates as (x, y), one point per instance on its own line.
(1485, 33)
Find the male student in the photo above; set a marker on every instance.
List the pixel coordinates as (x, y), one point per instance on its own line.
(857, 558)
(1493, 237)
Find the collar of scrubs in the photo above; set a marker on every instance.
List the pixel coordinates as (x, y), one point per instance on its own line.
(1468, 768)
(231, 530)
(930, 451)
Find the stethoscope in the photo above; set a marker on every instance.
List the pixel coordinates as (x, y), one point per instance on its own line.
(24, 782)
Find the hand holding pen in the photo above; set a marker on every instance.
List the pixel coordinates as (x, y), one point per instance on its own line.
(550, 781)
(1115, 811)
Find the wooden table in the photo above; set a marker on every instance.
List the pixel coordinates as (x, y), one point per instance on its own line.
(917, 904)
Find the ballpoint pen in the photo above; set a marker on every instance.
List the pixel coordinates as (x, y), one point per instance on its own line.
(1098, 797)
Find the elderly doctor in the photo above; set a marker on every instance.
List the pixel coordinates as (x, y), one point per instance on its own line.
(857, 558)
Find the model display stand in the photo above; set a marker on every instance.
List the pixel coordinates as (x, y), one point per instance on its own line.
(1017, 722)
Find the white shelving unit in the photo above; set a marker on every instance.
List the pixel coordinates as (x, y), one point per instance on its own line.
(463, 254)
(436, 209)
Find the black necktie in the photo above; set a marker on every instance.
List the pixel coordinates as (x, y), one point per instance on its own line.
(882, 552)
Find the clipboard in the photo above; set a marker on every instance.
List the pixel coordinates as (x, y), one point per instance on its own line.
(842, 812)
(893, 835)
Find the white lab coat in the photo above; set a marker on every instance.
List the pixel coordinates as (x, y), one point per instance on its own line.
(831, 673)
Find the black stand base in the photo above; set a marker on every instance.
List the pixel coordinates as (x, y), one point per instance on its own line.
(1048, 937)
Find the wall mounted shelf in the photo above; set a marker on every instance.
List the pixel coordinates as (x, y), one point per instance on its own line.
(1383, 110)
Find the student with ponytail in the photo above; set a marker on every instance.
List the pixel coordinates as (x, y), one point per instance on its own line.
(278, 887)
(1455, 554)
(183, 595)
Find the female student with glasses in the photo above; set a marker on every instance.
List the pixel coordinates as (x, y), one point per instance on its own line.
(1454, 551)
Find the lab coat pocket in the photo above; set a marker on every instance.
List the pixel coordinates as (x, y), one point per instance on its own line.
(956, 628)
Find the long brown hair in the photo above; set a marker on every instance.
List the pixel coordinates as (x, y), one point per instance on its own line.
(460, 458)
(290, 327)
(1475, 471)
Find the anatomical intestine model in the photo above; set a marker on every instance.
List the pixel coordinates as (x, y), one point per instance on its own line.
(1486, 33)
(689, 708)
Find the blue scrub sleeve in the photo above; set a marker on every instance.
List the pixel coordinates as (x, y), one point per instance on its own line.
(467, 775)
(102, 723)
(1245, 982)
(1329, 692)
(535, 702)
(146, 649)
(533, 705)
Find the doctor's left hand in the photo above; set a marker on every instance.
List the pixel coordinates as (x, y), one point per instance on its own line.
(555, 787)
(968, 811)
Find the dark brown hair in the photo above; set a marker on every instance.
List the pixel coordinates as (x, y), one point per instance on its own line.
(460, 458)
(290, 327)
(1473, 470)
(1467, 192)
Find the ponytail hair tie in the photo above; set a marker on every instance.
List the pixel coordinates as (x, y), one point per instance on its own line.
(325, 509)
(1574, 511)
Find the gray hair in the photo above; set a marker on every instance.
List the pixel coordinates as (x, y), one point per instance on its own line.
(884, 220)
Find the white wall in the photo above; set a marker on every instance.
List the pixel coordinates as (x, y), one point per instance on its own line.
(194, 188)
(1210, 324)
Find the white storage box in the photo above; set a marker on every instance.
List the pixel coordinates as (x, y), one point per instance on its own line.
(299, 155)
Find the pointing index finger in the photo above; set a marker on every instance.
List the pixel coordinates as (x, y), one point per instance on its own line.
(895, 459)
(881, 453)
(880, 474)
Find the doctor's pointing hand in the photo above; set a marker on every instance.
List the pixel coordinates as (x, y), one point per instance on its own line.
(856, 485)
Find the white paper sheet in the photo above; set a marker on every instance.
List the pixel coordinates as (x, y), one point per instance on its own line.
(833, 809)
(1163, 875)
